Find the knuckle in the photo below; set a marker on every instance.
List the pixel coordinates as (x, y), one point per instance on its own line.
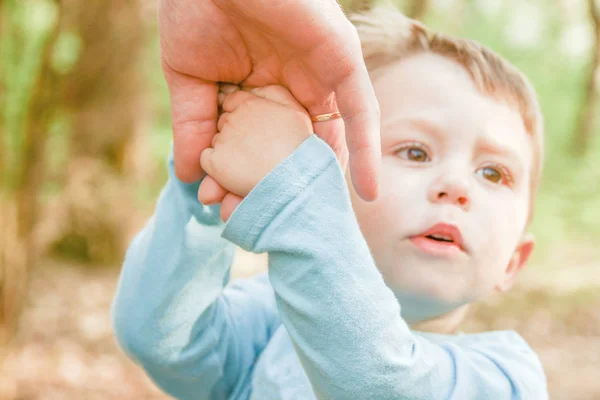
(212, 164)
(228, 88)
(276, 89)
(205, 162)
(233, 98)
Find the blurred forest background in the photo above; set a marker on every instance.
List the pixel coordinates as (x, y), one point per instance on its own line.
(84, 135)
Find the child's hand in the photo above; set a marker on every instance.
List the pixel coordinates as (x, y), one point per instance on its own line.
(257, 130)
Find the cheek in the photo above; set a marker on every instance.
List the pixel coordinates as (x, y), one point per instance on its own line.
(400, 201)
(370, 218)
(501, 224)
(378, 221)
(384, 221)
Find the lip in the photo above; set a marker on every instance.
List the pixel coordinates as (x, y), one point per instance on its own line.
(440, 248)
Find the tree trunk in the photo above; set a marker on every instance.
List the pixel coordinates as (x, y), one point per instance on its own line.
(417, 9)
(351, 6)
(39, 116)
(105, 98)
(587, 116)
(104, 93)
(17, 218)
(361, 5)
(13, 272)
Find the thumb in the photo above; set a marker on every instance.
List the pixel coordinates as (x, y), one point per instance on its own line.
(194, 114)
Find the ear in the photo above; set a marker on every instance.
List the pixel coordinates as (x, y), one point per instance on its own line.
(517, 262)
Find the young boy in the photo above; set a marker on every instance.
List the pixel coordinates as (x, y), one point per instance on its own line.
(461, 144)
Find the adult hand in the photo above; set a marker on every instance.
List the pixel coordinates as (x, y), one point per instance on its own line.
(305, 45)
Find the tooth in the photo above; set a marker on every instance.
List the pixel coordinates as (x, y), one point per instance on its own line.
(443, 237)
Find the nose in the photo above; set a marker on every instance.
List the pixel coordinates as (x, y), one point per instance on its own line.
(451, 190)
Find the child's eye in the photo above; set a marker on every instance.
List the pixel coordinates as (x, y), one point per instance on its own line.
(496, 174)
(414, 152)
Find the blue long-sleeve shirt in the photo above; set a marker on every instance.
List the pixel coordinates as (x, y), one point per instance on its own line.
(323, 324)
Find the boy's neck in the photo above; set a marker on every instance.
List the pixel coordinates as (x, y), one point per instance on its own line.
(445, 324)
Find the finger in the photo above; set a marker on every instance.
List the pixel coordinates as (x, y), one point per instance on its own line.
(206, 161)
(210, 192)
(222, 121)
(194, 112)
(331, 131)
(229, 204)
(358, 105)
(226, 89)
(278, 94)
(236, 99)
(215, 141)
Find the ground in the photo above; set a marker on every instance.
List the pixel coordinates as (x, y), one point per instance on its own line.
(65, 348)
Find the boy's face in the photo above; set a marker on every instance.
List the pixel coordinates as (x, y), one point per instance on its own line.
(454, 188)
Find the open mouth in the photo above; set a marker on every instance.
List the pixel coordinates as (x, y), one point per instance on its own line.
(440, 238)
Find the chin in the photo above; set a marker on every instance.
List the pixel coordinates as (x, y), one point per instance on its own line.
(424, 275)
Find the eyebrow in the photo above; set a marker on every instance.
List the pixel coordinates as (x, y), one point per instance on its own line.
(418, 122)
(489, 143)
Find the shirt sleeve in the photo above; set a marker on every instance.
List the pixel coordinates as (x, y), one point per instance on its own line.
(172, 314)
(345, 323)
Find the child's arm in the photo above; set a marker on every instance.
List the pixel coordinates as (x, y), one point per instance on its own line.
(171, 314)
(345, 323)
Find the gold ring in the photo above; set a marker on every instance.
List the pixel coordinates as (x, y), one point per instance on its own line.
(326, 117)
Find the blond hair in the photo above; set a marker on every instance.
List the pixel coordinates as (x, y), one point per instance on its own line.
(387, 37)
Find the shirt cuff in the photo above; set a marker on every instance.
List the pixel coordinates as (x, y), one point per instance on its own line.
(290, 178)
